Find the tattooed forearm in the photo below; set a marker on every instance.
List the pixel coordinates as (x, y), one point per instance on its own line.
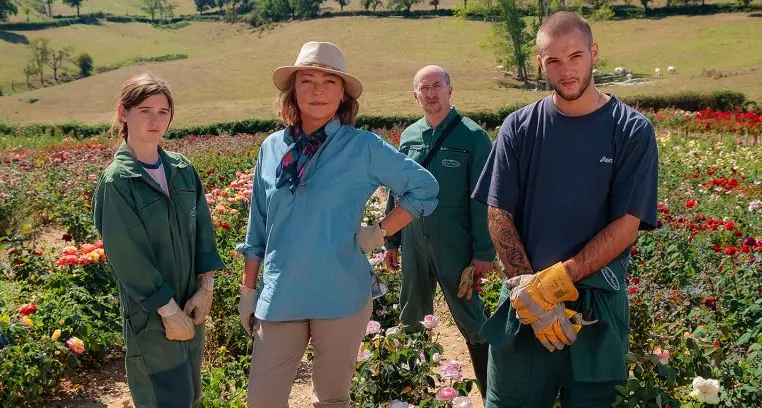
(507, 243)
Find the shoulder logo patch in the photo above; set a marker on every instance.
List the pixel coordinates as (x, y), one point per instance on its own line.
(450, 163)
(605, 159)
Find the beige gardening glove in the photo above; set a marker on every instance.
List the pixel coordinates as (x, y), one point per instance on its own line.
(370, 238)
(466, 286)
(177, 325)
(555, 329)
(247, 305)
(200, 304)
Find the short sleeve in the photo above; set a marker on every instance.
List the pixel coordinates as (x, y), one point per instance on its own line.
(498, 184)
(634, 187)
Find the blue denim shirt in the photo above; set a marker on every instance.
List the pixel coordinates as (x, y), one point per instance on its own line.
(313, 267)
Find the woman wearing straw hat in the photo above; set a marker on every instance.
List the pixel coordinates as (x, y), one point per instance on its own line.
(311, 183)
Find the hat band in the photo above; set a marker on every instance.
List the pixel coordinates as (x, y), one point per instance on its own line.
(317, 65)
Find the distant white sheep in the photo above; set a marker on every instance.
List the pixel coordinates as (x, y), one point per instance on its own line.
(620, 71)
(629, 77)
(500, 68)
(672, 70)
(595, 71)
(657, 72)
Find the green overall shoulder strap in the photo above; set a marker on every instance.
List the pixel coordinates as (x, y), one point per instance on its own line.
(435, 148)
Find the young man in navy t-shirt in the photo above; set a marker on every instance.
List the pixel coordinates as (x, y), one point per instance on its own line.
(569, 182)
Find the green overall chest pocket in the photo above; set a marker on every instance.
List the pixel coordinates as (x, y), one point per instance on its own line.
(450, 167)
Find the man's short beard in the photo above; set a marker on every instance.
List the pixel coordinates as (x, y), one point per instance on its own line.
(570, 98)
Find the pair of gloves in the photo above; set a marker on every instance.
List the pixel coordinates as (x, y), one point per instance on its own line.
(180, 324)
(538, 301)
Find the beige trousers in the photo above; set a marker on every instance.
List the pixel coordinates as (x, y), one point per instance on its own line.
(279, 347)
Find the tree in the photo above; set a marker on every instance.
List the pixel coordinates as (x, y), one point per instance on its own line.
(513, 41)
(50, 8)
(434, 3)
(6, 9)
(274, 10)
(40, 49)
(167, 9)
(370, 4)
(57, 58)
(85, 64)
(74, 3)
(342, 3)
(151, 7)
(29, 70)
(203, 5)
(305, 8)
(400, 5)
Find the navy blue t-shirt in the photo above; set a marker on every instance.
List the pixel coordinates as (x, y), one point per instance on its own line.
(566, 178)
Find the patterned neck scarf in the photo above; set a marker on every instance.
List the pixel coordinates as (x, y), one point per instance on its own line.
(294, 162)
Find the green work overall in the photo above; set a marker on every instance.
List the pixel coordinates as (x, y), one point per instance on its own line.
(157, 245)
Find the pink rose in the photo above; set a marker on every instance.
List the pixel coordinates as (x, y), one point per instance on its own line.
(452, 371)
(373, 327)
(430, 322)
(446, 394)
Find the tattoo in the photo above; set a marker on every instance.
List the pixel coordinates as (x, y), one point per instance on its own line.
(507, 243)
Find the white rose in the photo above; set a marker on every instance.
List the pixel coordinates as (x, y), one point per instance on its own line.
(461, 402)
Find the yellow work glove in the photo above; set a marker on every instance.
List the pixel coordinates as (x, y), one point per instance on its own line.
(466, 286)
(200, 304)
(554, 328)
(533, 295)
(177, 325)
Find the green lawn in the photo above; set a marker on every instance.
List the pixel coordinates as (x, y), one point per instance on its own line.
(227, 74)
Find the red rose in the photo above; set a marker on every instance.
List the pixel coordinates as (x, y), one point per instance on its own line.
(690, 203)
(27, 309)
(633, 251)
(710, 302)
(730, 250)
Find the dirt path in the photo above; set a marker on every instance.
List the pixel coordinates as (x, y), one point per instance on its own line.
(107, 387)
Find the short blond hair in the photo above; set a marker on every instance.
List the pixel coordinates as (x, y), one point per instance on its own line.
(136, 90)
(289, 113)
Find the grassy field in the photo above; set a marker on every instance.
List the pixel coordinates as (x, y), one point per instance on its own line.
(227, 74)
(132, 7)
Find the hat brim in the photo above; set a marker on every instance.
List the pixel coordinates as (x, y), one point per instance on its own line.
(352, 85)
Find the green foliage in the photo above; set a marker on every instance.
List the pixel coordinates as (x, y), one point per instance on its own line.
(274, 10)
(7, 7)
(85, 65)
(74, 3)
(305, 8)
(401, 5)
(603, 13)
(512, 40)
